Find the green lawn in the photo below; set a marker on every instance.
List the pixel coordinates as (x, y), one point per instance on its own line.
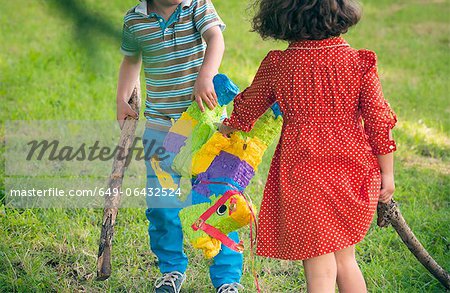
(59, 65)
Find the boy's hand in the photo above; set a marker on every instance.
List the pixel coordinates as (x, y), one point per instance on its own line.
(123, 111)
(204, 92)
(387, 188)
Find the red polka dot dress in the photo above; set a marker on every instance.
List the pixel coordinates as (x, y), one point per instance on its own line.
(324, 180)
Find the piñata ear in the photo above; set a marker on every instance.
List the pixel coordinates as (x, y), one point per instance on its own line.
(225, 89)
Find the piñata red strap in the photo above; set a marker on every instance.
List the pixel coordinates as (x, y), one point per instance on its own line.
(227, 241)
(214, 232)
(224, 239)
(205, 216)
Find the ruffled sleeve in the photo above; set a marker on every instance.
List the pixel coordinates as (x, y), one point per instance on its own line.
(257, 98)
(378, 116)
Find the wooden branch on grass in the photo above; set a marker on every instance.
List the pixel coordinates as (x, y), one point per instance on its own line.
(389, 214)
(112, 200)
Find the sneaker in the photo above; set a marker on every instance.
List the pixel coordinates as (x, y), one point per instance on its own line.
(230, 288)
(169, 282)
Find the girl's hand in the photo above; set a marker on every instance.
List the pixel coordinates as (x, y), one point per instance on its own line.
(387, 188)
(204, 92)
(123, 111)
(225, 130)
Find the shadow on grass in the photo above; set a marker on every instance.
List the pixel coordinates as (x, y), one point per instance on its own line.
(426, 145)
(88, 25)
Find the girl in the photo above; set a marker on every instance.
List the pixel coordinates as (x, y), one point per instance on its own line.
(329, 169)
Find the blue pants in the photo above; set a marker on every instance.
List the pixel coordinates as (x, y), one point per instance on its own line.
(165, 230)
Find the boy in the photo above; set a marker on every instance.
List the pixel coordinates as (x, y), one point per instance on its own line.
(166, 36)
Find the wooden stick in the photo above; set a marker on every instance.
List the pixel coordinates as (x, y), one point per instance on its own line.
(112, 200)
(389, 214)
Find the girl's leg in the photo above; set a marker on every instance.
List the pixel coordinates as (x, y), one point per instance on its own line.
(321, 273)
(349, 276)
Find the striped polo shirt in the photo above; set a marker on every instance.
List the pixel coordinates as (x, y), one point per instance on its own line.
(172, 54)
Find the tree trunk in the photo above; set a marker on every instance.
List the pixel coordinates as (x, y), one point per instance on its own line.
(389, 214)
(112, 199)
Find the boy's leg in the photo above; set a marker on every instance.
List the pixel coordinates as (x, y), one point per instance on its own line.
(165, 231)
(227, 265)
(166, 239)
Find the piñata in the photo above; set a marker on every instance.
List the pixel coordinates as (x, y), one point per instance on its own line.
(220, 169)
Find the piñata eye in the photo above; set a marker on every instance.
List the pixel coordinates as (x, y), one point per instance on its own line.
(221, 210)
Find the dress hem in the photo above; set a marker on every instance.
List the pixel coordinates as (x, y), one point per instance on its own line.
(277, 256)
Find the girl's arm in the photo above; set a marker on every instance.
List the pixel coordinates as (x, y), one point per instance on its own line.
(379, 119)
(204, 87)
(254, 100)
(386, 163)
(128, 74)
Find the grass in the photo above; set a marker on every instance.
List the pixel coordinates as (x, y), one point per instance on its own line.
(54, 65)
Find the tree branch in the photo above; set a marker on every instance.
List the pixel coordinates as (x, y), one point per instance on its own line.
(389, 214)
(112, 200)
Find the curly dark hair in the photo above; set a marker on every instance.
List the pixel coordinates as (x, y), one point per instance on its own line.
(295, 20)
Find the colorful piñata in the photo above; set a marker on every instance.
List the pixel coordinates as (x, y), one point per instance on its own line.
(220, 168)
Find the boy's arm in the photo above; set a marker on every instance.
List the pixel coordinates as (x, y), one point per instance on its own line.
(128, 74)
(204, 87)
